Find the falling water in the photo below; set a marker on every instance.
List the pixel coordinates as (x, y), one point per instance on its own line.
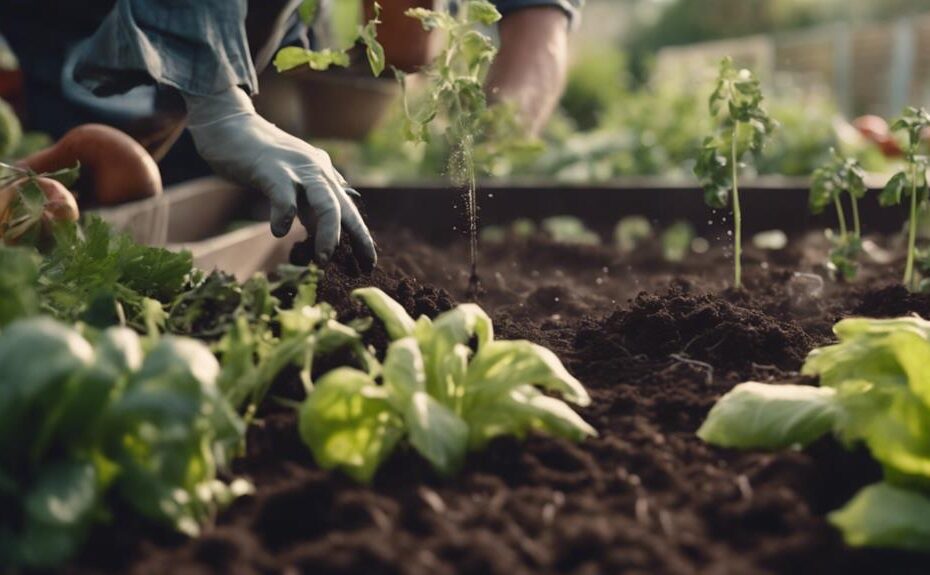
(471, 203)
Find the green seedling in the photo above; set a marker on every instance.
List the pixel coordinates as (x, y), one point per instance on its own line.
(292, 57)
(523, 228)
(454, 101)
(630, 232)
(743, 125)
(569, 230)
(676, 241)
(912, 182)
(446, 387)
(841, 176)
(456, 95)
(874, 390)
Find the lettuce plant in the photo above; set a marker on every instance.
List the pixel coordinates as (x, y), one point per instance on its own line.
(912, 182)
(874, 390)
(743, 125)
(837, 177)
(90, 420)
(446, 387)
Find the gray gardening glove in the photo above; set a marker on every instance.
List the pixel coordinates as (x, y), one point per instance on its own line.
(241, 145)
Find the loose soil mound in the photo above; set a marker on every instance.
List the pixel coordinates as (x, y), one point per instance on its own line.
(644, 497)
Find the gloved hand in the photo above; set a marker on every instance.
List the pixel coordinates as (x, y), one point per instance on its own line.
(241, 145)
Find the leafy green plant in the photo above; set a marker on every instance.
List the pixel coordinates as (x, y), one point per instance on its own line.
(630, 232)
(257, 347)
(98, 276)
(676, 241)
(912, 182)
(569, 230)
(291, 57)
(90, 420)
(438, 393)
(830, 182)
(742, 126)
(874, 390)
(93, 275)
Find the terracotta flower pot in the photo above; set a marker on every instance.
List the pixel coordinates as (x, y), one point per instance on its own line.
(407, 46)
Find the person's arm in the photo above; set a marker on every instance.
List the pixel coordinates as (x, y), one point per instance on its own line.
(200, 48)
(532, 63)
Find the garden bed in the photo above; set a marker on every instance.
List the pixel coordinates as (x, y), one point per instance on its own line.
(656, 344)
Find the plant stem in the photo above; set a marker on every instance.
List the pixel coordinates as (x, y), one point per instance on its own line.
(841, 217)
(857, 229)
(737, 214)
(911, 234)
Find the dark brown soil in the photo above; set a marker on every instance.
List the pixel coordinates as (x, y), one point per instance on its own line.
(656, 345)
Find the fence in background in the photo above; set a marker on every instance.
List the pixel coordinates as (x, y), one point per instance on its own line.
(869, 68)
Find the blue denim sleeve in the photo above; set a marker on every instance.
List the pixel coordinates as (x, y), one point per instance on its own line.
(571, 7)
(196, 46)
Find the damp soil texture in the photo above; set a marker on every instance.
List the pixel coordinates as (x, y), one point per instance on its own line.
(656, 344)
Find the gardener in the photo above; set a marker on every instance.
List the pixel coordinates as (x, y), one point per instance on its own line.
(200, 49)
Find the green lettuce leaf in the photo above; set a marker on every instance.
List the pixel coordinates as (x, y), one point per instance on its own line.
(882, 515)
(758, 415)
(397, 321)
(348, 424)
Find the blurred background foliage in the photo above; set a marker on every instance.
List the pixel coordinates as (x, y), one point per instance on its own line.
(627, 111)
(636, 96)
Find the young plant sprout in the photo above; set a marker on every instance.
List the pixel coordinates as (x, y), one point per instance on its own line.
(742, 126)
(630, 232)
(838, 176)
(446, 386)
(676, 241)
(479, 135)
(294, 56)
(911, 182)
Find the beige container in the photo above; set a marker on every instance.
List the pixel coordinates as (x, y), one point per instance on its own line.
(196, 216)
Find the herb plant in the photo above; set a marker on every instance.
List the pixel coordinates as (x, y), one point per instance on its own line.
(292, 57)
(93, 275)
(454, 100)
(874, 390)
(438, 393)
(89, 420)
(830, 182)
(742, 126)
(912, 182)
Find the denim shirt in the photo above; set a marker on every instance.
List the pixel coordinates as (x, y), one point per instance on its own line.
(197, 46)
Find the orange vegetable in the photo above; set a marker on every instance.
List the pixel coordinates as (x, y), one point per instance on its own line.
(119, 169)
